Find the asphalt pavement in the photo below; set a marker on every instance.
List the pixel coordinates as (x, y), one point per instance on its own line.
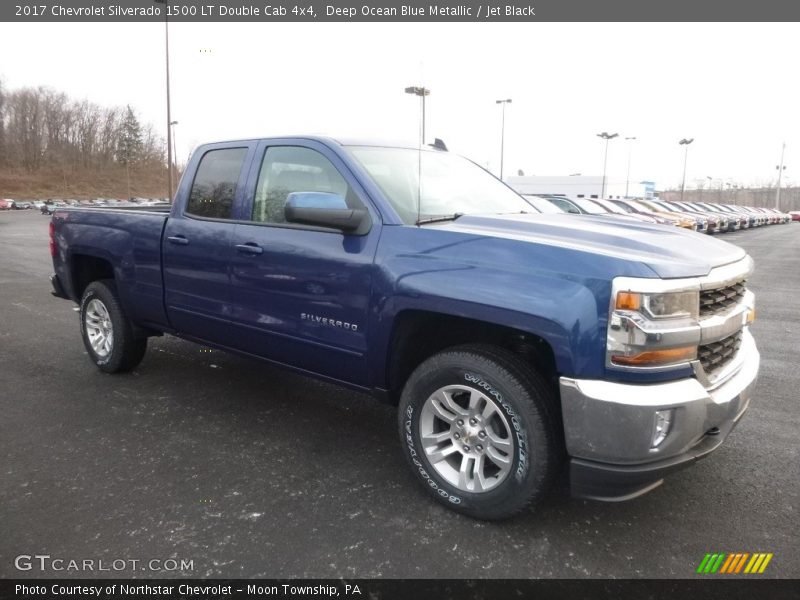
(241, 469)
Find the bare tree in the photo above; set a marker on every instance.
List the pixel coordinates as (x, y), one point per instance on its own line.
(2, 125)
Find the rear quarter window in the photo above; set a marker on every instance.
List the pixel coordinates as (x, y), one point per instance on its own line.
(214, 186)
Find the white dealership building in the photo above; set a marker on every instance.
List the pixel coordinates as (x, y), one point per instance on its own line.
(581, 186)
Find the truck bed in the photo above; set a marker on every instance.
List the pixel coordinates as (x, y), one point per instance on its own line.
(128, 238)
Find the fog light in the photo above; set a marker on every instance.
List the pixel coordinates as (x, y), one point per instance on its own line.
(663, 422)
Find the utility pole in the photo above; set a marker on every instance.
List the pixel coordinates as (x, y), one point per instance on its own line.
(169, 109)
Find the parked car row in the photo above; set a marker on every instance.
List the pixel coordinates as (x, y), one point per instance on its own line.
(8, 204)
(48, 207)
(704, 217)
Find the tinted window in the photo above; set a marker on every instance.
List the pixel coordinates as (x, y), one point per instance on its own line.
(564, 205)
(287, 169)
(214, 184)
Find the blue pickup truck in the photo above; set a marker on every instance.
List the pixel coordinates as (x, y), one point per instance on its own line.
(515, 344)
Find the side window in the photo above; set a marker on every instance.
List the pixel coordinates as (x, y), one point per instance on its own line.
(287, 169)
(565, 205)
(214, 183)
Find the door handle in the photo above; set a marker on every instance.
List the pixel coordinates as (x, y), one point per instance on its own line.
(249, 248)
(177, 239)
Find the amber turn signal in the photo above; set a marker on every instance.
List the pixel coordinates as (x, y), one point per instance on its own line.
(657, 357)
(629, 301)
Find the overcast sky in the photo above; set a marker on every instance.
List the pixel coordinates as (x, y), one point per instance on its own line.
(732, 87)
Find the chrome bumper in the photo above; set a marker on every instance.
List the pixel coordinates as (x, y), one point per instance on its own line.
(609, 427)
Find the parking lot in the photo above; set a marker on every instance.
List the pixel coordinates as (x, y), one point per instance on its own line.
(250, 471)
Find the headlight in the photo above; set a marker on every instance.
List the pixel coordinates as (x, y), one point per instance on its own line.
(653, 329)
(673, 305)
(669, 305)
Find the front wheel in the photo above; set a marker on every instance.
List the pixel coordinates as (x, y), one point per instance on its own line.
(479, 431)
(107, 333)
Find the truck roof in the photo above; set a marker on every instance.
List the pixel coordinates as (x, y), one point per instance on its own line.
(329, 140)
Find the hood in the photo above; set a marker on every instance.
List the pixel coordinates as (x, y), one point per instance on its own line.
(670, 252)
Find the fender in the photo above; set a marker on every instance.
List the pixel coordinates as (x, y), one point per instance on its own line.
(504, 283)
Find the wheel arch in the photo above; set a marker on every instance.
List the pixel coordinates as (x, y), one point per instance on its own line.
(419, 334)
(86, 268)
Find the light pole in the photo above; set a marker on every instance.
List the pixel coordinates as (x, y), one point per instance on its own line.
(710, 183)
(781, 168)
(685, 142)
(628, 176)
(174, 146)
(606, 136)
(169, 108)
(421, 92)
(733, 189)
(503, 132)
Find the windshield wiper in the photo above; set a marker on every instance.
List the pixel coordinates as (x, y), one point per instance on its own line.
(439, 219)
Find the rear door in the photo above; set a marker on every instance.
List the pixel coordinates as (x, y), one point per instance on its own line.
(300, 294)
(197, 245)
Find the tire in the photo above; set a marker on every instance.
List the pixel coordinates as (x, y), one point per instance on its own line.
(101, 314)
(516, 469)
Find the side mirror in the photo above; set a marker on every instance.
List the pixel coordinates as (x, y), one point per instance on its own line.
(325, 210)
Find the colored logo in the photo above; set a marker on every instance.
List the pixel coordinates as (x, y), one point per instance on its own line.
(734, 563)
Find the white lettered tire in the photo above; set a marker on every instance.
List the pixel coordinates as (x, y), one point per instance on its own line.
(479, 430)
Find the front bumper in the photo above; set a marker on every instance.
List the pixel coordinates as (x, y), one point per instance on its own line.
(609, 426)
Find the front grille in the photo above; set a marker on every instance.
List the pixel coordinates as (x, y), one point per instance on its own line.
(718, 354)
(716, 301)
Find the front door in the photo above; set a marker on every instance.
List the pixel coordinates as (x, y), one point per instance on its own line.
(300, 293)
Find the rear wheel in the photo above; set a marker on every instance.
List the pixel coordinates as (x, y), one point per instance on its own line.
(107, 333)
(478, 430)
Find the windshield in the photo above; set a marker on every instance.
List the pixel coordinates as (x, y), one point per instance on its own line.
(610, 206)
(543, 205)
(450, 184)
(652, 207)
(589, 206)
